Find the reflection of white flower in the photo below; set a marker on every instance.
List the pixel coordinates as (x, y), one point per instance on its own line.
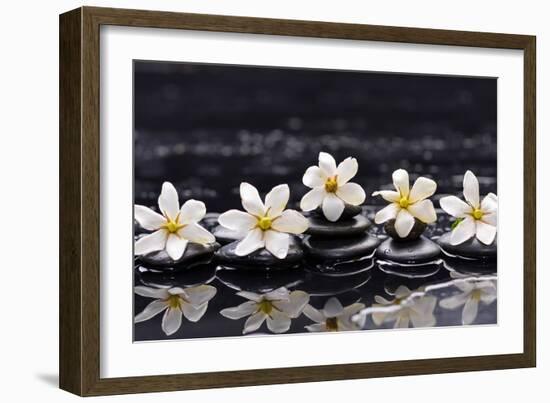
(475, 218)
(415, 309)
(406, 205)
(174, 228)
(330, 186)
(278, 307)
(264, 225)
(471, 293)
(192, 302)
(333, 317)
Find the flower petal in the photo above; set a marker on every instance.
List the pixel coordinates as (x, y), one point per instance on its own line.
(327, 164)
(154, 308)
(454, 302)
(151, 242)
(251, 200)
(402, 292)
(254, 322)
(279, 294)
(402, 321)
(346, 170)
(314, 177)
(194, 313)
(278, 322)
(489, 203)
(452, 205)
(351, 193)
(401, 182)
(151, 292)
(250, 295)
(253, 241)
(171, 321)
(237, 220)
(314, 314)
(490, 218)
(403, 223)
(471, 189)
(195, 233)
(424, 211)
(200, 294)
(485, 233)
(192, 211)
(463, 231)
(388, 195)
(469, 312)
(317, 327)
(313, 199)
(333, 308)
(422, 189)
(387, 213)
(276, 200)
(290, 221)
(294, 306)
(175, 246)
(277, 243)
(169, 201)
(422, 320)
(240, 311)
(333, 207)
(147, 218)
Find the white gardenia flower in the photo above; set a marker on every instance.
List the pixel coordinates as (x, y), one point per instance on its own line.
(415, 309)
(477, 218)
(174, 228)
(192, 302)
(470, 296)
(333, 317)
(264, 225)
(330, 186)
(406, 205)
(278, 307)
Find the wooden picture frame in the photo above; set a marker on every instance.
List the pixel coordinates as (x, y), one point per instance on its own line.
(80, 198)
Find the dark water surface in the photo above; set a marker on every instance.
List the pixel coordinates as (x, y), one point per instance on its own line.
(207, 128)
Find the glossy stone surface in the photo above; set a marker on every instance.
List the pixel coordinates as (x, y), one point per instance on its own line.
(261, 257)
(340, 248)
(350, 211)
(416, 231)
(340, 229)
(224, 235)
(420, 250)
(470, 249)
(193, 252)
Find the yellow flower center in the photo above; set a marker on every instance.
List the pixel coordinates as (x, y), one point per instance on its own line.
(264, 223)
(404, 202)
(174, 301)
(331, 185)
(478, 214)
(331, 324)
(265, 306)
(173, 226)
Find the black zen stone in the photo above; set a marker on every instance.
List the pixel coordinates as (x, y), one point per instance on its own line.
(420, 250)
(350, 211)
(472, 248)
(340, 248)
(191, 254)
(340, 229)
(415, 233)
(224, 235)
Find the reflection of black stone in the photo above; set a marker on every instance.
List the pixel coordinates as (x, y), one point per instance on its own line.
(260, 281)
(350, 211)
(410, 271)
(318, 284)
(415, 233)
(261, 257)
(339, 229)
(408, 252)
(339, 268)
(210, 220)
(196, 273)
(340, 248)
(470, 249)
(224, 235)
(470, 266)
(192, 253)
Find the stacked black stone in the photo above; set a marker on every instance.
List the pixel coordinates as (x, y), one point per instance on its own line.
(343, 239)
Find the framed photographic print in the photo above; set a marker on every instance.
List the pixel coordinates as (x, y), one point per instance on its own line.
(274, 201)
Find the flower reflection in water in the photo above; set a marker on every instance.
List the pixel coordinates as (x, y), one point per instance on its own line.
(277, 307)
(471, 293)
(408, 307)
(333, 317)
(192, 302)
